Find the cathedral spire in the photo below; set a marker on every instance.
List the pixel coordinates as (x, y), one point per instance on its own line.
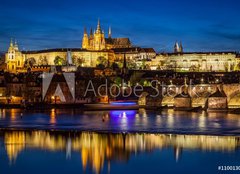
(11, 43)
(16, 45)
(85, 30)
(85, 39)
(98, 27)
(176, 48)
(181, 47)
(109, 32)
(98, 23)
(91, 32)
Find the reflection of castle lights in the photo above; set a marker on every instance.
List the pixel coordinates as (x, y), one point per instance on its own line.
(158, 119)
(2, 113)
(96, 149)
(170, 121)
(202, 122)
(13, 114)
(53, 116)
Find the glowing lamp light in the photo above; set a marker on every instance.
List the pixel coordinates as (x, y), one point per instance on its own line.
(123, 113)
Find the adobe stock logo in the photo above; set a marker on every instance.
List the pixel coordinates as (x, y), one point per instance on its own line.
(47, 81)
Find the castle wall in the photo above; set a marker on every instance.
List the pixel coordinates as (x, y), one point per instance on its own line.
(90, 57)
(50, 56)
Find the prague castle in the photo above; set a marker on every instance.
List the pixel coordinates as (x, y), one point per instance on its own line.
(96, 48)
(93, 47)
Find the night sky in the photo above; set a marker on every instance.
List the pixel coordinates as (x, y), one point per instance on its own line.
(206, 25)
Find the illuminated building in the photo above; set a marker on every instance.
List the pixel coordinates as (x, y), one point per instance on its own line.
(96, 48)
(197, 61)
(14, 58)
(97, 40)
(42, 60)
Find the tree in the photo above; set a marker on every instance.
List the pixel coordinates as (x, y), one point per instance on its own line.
(59, 61)
(147, 67)
(78, 61)
(40, 60)
(102, 60)
(193, 68)
(100, 66)
(143, 64)
(237, 67)
(226, 67)
(30, 62)
(159, 67)
(43, 60)
(132, 64)
(118, 81)
(115, 66)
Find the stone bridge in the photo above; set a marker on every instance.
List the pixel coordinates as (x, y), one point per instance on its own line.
(200, 93)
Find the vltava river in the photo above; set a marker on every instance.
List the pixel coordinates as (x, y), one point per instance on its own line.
(72, 141)
(167, 121)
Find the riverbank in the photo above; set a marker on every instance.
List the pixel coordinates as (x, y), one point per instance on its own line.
(86, 107)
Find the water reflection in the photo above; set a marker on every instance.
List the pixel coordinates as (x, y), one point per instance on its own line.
(99, 148)
(53, 116)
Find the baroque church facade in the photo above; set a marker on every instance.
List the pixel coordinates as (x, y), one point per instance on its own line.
(14, 57)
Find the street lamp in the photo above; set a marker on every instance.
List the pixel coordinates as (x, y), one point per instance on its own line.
(54, 98)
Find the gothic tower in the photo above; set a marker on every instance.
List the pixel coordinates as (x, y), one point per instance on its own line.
(95, 41)
(109, 33)
(99, 39)
(85, 41)
(181, 47)
(91, 40)
(177, 48)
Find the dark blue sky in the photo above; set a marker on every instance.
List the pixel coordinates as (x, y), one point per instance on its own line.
(206, 25)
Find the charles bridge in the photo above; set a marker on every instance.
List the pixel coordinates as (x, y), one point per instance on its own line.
(200, 93)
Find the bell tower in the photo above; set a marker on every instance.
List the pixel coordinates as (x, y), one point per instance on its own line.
(99, 39)
(178, 48)
(85, 41)
(14, 58)
(109, 33)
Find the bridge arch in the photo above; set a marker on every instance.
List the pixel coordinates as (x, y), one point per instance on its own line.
(234, 99)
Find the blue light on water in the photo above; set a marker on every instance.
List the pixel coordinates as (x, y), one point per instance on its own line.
(123, 103)
(123, 113)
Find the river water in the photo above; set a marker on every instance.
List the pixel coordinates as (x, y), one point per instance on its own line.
(72, 141)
